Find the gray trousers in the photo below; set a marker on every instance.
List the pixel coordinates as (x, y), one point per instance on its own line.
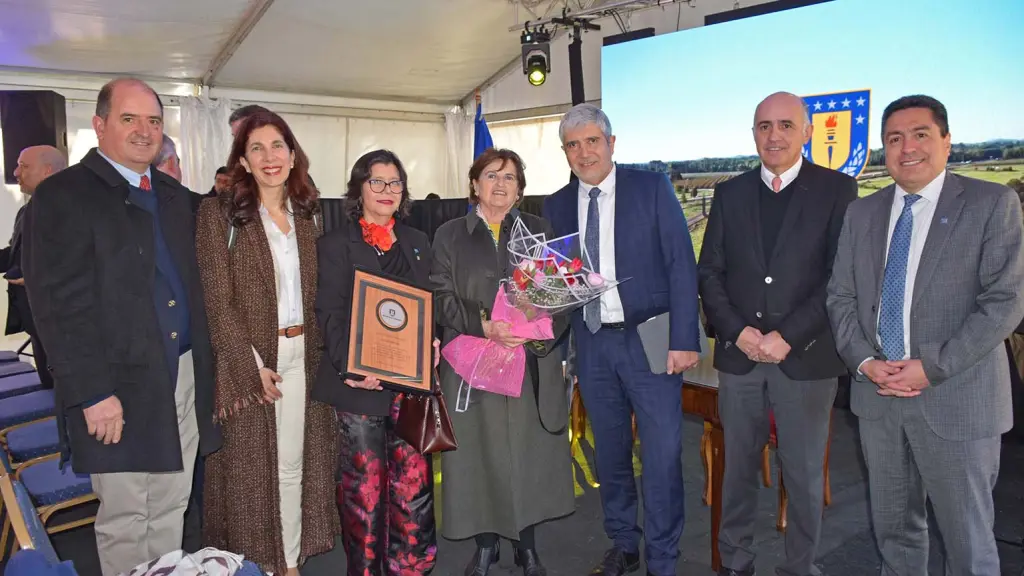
(802, 410)
(142, 516)
(909, 464)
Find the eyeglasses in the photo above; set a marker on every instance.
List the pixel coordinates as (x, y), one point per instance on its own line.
(377, 186)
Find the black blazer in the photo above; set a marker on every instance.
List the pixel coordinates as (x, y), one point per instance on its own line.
(338, 253)
(740, 287)
(10, 263)
(89, 268)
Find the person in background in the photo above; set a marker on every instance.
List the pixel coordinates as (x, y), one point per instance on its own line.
(221, 182)
(385, 487)
(926, 286)
(632, 226)
(269, 493)
(240, 115)
(167, 161)
(112, 276)
(35, 164)
(512, 470)
(765, 295)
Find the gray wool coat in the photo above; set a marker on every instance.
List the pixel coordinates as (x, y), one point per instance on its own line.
(512, 468)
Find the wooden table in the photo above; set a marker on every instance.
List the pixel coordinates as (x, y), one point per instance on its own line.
(700, 397)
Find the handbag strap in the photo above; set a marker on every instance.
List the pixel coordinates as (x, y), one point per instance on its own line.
(531, 365)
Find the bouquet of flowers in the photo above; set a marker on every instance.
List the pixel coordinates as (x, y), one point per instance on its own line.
(550, 276)
(486, 365)
(544, 282)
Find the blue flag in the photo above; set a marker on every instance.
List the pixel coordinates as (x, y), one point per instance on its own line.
(481, 135)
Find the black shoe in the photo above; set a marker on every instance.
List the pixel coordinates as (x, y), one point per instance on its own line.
(731, 572)
(530, 562)
(482, 560)
(617, 562)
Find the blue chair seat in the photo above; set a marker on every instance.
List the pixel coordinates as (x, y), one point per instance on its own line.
(8, 356)
(27, 407)
(19, 384)
(48, 484)
(12, 368)
(34, 440)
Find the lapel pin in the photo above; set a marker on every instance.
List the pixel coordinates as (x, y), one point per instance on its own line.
(943, 220)
(416, 251)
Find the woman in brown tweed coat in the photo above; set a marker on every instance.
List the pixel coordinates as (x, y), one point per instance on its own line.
(269, 492)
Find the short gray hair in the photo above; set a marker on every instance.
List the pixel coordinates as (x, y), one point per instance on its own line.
(52, 158)
(581, 115)
(167, 149)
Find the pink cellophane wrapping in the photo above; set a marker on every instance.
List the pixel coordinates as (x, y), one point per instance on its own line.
(489, 366)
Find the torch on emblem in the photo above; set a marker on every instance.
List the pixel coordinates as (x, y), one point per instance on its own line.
(840, 138)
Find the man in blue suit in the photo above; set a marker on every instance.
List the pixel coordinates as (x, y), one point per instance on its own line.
(633, 229)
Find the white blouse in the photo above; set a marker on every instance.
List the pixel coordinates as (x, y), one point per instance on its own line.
(285, 250)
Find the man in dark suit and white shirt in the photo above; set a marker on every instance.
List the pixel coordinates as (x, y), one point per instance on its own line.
(925, 287)
(111, 272)
(35, 164)
(632, 226)
(764, 265)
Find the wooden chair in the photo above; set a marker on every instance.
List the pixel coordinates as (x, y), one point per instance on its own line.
(766, 469)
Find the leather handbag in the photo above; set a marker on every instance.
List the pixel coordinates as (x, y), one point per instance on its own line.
(423, 421)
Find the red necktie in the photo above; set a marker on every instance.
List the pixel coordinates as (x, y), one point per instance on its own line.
(144, 184)
(776, 184)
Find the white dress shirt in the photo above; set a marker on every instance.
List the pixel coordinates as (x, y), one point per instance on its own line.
(923, 211)
(285, 251)
(611, 305)
(787, 177)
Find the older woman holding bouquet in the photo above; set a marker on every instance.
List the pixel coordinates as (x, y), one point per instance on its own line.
(512, 470)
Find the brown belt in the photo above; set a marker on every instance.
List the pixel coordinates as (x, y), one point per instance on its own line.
(290, 332)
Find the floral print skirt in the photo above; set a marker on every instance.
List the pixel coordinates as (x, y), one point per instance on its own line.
(385, 498)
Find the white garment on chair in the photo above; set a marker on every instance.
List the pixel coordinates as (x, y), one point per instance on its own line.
(206, 562)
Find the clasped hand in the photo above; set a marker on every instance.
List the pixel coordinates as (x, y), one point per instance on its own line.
(899, 378)
(501, 332)
(769, 348)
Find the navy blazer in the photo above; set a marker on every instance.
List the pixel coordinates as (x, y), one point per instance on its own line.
(652, 249)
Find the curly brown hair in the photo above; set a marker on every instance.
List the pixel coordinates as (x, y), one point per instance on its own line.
(242, 204)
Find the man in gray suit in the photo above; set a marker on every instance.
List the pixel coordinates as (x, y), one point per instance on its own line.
(925, 288)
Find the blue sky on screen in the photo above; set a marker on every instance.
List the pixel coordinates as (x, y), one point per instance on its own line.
(692, 94)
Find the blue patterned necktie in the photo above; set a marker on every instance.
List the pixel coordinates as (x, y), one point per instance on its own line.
(890, 320)
(592, 242)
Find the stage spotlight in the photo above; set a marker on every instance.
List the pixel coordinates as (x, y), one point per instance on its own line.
(536, 54)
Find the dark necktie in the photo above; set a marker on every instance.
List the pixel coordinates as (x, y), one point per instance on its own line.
(592, 242)
(890, 320)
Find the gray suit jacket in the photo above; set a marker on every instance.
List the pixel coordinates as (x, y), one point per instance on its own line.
(967, 300)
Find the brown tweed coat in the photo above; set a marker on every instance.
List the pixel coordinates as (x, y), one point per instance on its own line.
(241, 498)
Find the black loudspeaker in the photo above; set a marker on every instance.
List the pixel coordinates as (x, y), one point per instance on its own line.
(31, 118)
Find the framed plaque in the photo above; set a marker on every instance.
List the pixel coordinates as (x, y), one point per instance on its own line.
(391, 333)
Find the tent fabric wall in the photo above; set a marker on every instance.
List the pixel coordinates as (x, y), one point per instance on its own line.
(537, 143)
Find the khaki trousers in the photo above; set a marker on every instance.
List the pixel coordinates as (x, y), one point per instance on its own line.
(141, 515)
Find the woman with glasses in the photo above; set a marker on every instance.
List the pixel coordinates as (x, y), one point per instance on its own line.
(512, 470)
(385, 489)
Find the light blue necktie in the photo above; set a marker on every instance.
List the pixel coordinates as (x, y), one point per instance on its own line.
(890, 320)
(592, 241)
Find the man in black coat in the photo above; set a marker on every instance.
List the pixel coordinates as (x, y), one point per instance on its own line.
(111, 272)
(35, 164)
(764, 267)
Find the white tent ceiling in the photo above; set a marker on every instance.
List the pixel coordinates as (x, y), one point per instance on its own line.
(419, 50)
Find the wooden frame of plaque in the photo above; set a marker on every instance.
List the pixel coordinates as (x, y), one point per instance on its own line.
(391, 332)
